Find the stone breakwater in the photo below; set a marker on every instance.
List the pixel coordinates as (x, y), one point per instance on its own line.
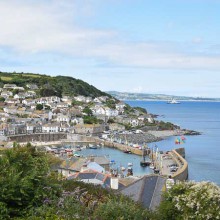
(137, 138)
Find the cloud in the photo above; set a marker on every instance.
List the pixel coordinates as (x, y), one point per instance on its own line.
(36, 27)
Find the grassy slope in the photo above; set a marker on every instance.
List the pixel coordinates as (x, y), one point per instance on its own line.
(61, 85)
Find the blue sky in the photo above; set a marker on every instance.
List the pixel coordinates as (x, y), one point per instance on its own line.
(170, 47)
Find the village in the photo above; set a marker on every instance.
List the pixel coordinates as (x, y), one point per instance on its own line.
(22, 111)
(92, 122)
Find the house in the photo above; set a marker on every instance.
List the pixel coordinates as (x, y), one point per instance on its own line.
(116, 127)
(134, 122)
(77, 120)
(20, 95)
(64, 127)
(89, 129)
(66, 99)
(111, 112)
(51, 127)
(62, 105)
(28, 102)
(97, 100)
(80, 98)
(147, 190)
(3, 129)
(75, 165)
(93, 177)
(14, 129)
(62, 118)
(30, 128)
(30, 94)
(32, 86)
(10, 86)
(10, 109)
(12, 101)
(120, 107)
(6, 94)
(98, 110)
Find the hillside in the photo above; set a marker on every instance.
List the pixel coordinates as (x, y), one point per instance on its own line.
(57, 85)
(162, 97)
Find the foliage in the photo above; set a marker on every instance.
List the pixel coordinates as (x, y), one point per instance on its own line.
(76, 103)
(128, 109)
(91, 120)
(166, 126)
(111, 103)
(140, 109)
(58, 85)
(191, 200)
(87, 111)
(25, 180)
(39, 107)
(110, 121)
(120, 209)
(2, 99)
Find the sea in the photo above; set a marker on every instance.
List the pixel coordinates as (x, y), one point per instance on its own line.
(202, 151)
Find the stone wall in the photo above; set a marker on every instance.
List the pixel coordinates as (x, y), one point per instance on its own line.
(182, 172)
(42, 137)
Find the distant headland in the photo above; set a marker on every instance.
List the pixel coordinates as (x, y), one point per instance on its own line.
(157, 97)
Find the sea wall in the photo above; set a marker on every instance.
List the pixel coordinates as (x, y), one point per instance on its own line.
(182, 172)
(40, 137)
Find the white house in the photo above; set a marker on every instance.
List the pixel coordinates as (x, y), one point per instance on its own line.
(111, 112)
(6, 94)
(62, 118)
(54, 128)
(28, 102)
(12, 101)
(20, 95)
(62, 105)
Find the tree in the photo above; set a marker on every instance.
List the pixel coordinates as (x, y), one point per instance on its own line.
(2, 99)
(25, 180)
(190, 200)
(39, 107)
(88, 111)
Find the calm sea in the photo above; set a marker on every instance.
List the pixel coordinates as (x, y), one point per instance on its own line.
(203, 151)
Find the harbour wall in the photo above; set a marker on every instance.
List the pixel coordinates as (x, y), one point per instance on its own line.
(182, 172)
(37, 137)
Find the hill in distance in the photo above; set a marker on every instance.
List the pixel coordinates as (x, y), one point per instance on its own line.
(162, 97)
(51, 85)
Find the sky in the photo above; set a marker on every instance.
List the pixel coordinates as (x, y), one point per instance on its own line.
(148, 46)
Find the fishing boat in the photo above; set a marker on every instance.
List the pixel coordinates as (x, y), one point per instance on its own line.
(127, 151)
(91, 146)
(173, 101)
(144, 163)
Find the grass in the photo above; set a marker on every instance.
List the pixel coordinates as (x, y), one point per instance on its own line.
(6, 78)
(31, 75)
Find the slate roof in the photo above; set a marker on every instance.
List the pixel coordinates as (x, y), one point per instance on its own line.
(147, 190)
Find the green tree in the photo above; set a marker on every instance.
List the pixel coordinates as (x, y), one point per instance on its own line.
(25, 180)
(88, 111)
(39, 107)
(2, 99)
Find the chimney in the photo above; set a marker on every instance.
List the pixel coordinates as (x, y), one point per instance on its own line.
(114, 183)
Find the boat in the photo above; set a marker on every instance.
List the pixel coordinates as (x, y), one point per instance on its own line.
(130, 164)
(151, 166)
(123, 168)
(127, 151)
(173, 101)
(144, 163)
(91, 146)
